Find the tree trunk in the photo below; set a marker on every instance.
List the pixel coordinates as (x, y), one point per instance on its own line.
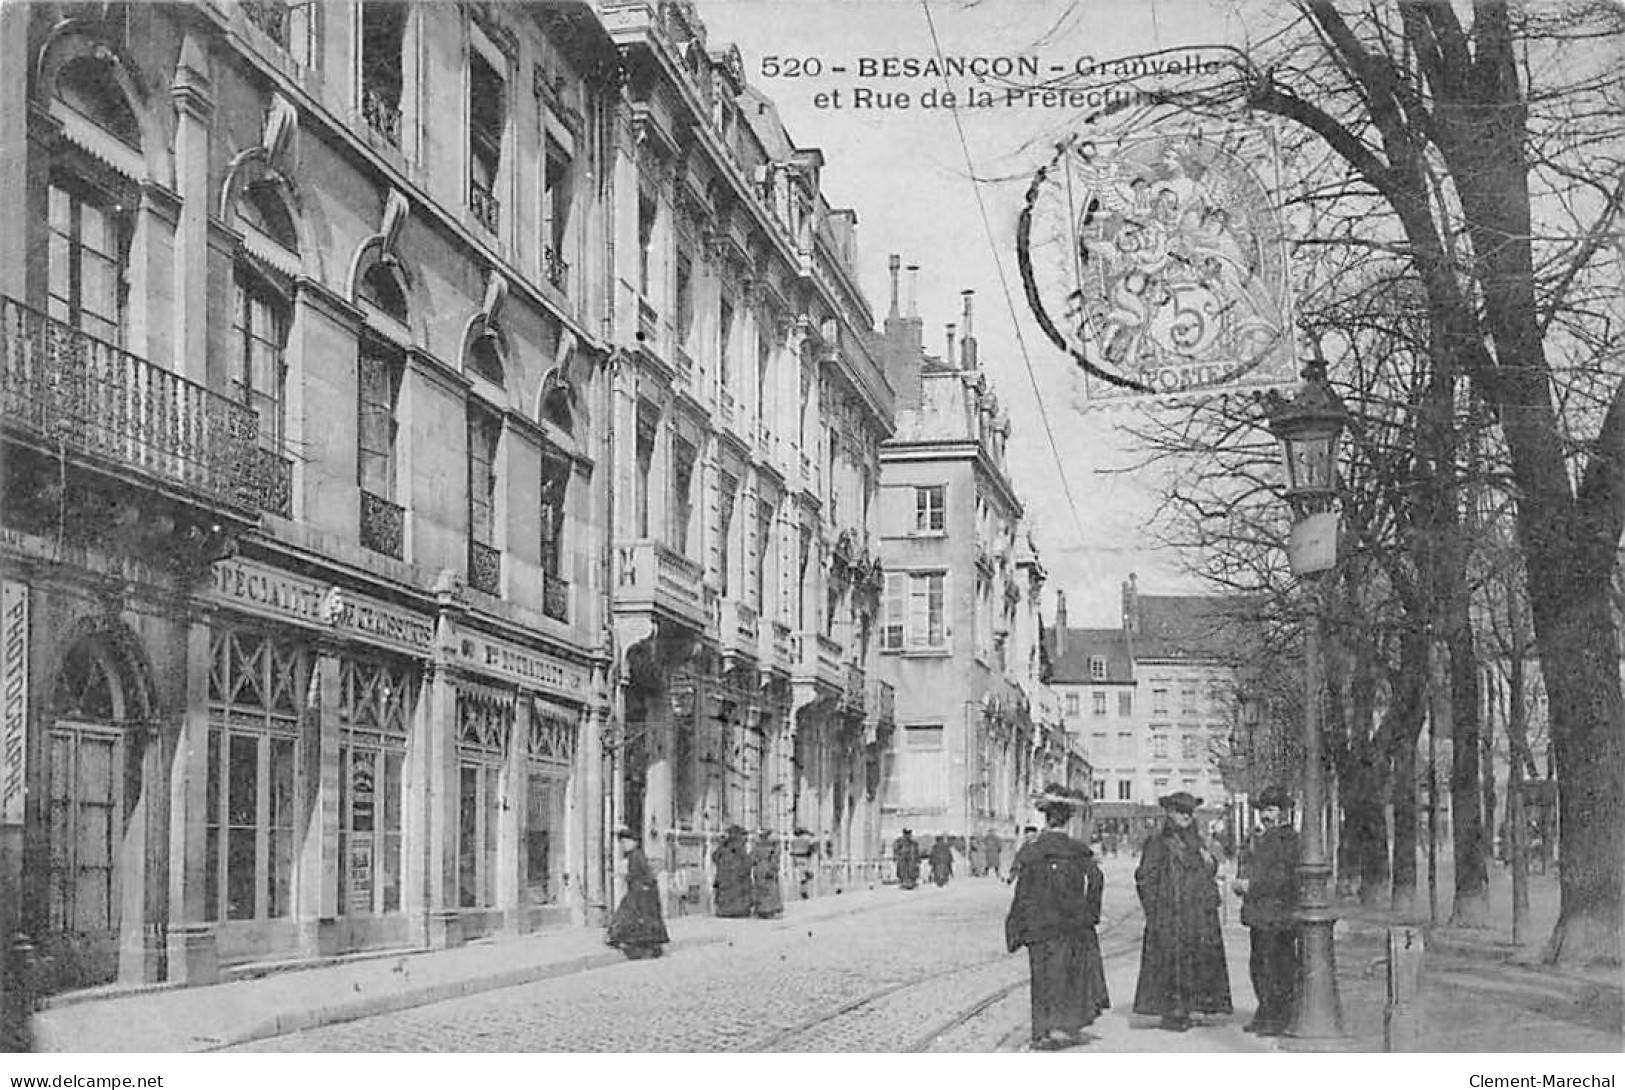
(1517, 759)
(1403, 793)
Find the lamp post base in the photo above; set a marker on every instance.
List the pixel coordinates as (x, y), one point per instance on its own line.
(1319, 1013)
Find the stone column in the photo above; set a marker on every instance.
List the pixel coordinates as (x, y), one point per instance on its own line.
(440, 787)
(587, 847)
(142, 851)
(513, 821)
(193, 94)
(317, 907)
(193, 957)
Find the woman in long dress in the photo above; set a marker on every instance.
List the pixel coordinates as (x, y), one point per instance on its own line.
(1182, 966)
(637, 927)
(1054, 914)
(766, 899)
(731, 867)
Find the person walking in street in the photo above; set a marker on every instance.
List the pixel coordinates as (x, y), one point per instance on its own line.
(637, 928)
(992, 853)
(905, 852)
(731, 872)
(973, 854)
(802, 850)
(942, 860)
(766, 899)
(1269, 905)
(1053, 914)
(1182, 966)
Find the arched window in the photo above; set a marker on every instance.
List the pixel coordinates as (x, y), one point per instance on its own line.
(262, 208)
(485, 358)
(88, 85)
(91, 685)
(381, 287)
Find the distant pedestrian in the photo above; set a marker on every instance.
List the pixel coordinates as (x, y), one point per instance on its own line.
(766, 899)
(1053, 914)
(802, 850)
(1269, 911)
(637, 928)
(977, 861)
(993, 853)
(905, 852)
(1182, 966)
(1028, 834)
(731, 872)
(942, 860)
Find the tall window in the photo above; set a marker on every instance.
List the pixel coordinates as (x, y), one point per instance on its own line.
(831, 484)
(555, 490)
(484, 433)
(926, 626)
(682, 494)
(383, 30)
(645, 467)
(86, 260)
(728, 493)
(685, 300)
(1190, 746)
(1187, 702)
(646, 234)
(1125, 705)
(1159, 701)
(487, 115)
(931, 508)
(1125, 790)
(1099, 703)
(556, 204)
(1098, 789)
(380, 377)
(257, 688)
(725, 332)
(764, 358)
(803, 568)
(1071, 704)
(1159, 746)
(260, 329)
(764, 538)
(920, 771)
(376, 698)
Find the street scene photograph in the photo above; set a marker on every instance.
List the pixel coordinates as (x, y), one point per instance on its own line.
(850, 527)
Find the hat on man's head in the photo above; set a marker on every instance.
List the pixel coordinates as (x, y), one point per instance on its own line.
(627, 833)
(1182, 801)
(908, 832)
(1058, 795)
(1273, 797)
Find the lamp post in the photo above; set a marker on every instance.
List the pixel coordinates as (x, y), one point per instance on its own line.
(1308, 427)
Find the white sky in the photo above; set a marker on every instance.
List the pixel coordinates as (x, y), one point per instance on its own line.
(904, 172)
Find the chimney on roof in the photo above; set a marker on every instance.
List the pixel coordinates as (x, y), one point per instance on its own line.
(1060, 623)
(968, 338)
(893, 263)
(913, 289)
(949, 358)
(1131, 605)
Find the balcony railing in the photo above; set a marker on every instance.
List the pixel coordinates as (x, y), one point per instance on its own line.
(556, 269)
(94, 398)
(273, 482)
(382, 114)
(487, 209)
(821, 661)
(271, 16)
(555, 598)
(484, 568)
(740, 628)
(383, 525)
(651, 576)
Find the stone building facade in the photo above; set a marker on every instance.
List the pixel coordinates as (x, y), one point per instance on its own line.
(976, 732)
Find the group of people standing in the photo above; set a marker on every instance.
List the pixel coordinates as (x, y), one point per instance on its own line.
(1183, 973)
(982, 852)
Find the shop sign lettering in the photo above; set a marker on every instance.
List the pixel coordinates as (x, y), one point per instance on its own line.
(260, 589)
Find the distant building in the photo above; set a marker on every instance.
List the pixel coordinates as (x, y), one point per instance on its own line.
(959, 628)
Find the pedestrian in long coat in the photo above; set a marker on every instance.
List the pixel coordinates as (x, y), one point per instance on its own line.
(974, 854)
(1269, 911)
(731, 870)
(766, 899)
(942, 860)
(637, 928)
(1182, 966)
(1053, 914)
(905, 851)
(992, 853)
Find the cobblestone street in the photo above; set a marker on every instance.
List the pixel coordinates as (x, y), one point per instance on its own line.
(926, 972)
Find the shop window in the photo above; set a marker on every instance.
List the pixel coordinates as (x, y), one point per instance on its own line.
(484, 729)
(376, 701)
(257, 687)
(551, 751)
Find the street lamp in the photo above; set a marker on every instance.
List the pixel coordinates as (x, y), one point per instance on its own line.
(1308, 427)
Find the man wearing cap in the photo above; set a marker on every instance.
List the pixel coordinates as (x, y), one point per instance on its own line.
(906, 853)
(1182, 966)
(1053, 914)
(1269, 910)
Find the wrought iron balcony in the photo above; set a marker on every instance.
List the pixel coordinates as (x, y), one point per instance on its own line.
(555, 598)
(271, 16)
(383, 525)
(382, 114)
(59, 386)
(487, 209)
(273, 482)
(556, 269)
(484, 568)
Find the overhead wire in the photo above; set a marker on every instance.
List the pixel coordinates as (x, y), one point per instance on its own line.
(1004, 283)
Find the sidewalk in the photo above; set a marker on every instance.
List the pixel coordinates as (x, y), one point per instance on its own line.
(200, 1019)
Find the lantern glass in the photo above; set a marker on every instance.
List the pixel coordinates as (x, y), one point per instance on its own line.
(1308, 457)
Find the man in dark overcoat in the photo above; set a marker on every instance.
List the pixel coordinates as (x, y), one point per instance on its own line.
(1182, 966)
(942, 860)
(993, 853)
(730, 881)
(766, 897)
(1269, 910)
(1053, 914)
(905, 851)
